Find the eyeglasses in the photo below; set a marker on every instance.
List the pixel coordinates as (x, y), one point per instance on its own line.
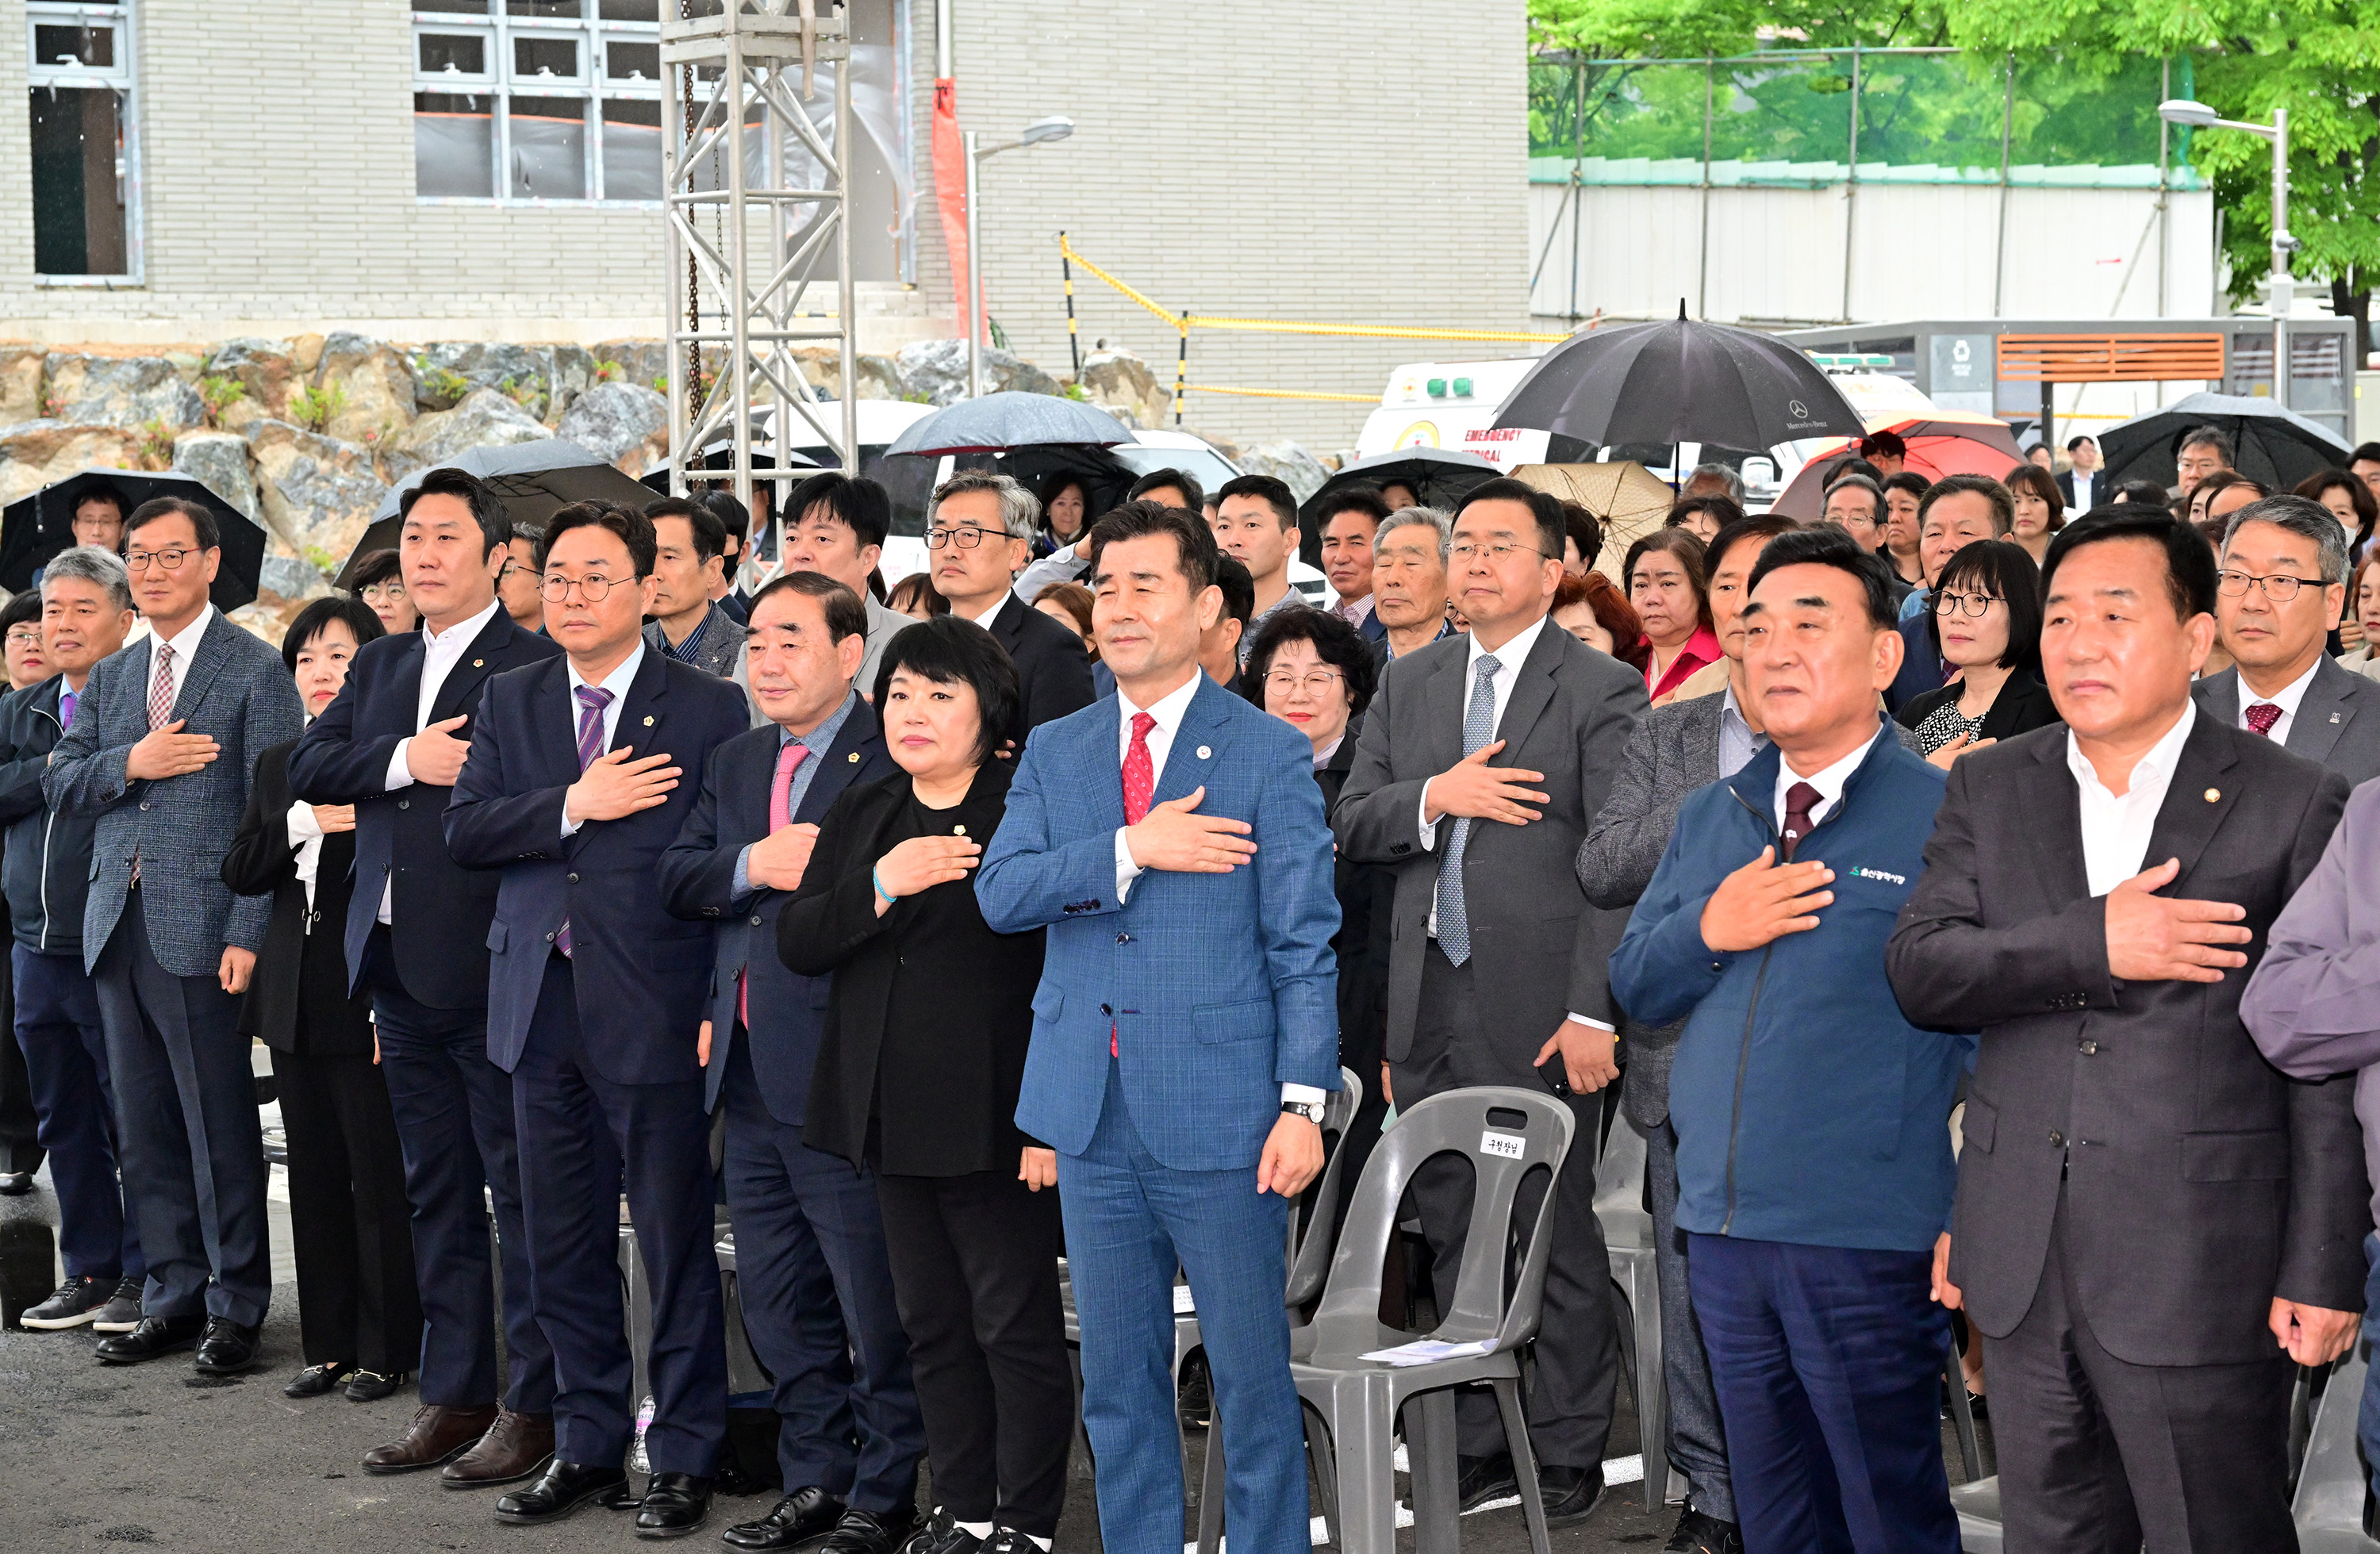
(138, 561)
(2279, 588)
(1317, 682)
(1497, 550)
(25, 637)
(591, 588)
(1973, 605)
(386, 593)
(966, 539)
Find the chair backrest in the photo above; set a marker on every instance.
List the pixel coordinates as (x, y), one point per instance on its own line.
(1535, 1134)
(1309, 1253)
(1619, 1171)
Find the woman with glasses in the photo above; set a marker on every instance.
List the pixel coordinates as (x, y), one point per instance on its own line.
(1664, 572)
(20, 620)
(1986, 625)
(380, 582)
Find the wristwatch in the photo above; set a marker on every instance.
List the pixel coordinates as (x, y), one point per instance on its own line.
(1310, 1110)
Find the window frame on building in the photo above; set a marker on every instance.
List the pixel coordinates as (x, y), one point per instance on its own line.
(121, 78)
(503, 36)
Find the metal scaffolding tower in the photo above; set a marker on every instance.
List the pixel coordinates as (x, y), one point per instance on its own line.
(749, 248)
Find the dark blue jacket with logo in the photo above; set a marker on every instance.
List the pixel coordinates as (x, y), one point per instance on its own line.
(48, 874)
(1808, 1108)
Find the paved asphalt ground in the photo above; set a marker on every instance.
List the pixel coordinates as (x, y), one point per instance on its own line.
(159, 1458)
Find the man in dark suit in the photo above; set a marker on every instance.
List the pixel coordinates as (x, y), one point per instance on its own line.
(2084, 486)
(1482, 761)
(2152, 1223)
(1350, 520)
(811, 1256)
(689, 623)
(417, 940)
(979, 532)
(162, 750)
(595, 999)
(2277, 600)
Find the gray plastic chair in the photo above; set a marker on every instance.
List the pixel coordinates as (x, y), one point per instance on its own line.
(1359, 1400)
(2328, 1507)
(1636, 1288)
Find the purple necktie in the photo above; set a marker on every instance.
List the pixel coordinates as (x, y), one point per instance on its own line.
(66, 702)
(592, 699)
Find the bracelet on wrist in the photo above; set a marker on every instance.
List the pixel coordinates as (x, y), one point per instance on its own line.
(876, 879)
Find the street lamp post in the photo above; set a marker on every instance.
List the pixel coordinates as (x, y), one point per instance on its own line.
(1040, 132)
(2198, 116)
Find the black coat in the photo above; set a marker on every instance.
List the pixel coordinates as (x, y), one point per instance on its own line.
(1054, 668)
(2022, 706)
(954, 1066)
(297, 1001)
(1366, 894)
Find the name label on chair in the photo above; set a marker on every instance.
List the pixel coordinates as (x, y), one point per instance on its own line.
(1509, 1145)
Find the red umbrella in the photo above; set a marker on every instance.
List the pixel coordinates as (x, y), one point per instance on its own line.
(1945, 442)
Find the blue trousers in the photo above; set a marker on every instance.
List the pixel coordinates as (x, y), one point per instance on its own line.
(454, 1111)
(66, 1058)
(191, 1147)
(2367, 1418)
(1130, 1222)
(1826, 1361)
(580, 1133)
(818, 1306)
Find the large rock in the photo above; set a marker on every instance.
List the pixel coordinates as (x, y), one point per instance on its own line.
(40, 453)
(626, 424)
(938, 370)
(20, 383)
(219, 461)
(548, 377)
(290, 577)
(822, 364)
(1288, 463)
(485, 418)
(640, 362)
(376, 383)
(118, 391)
(317, 493)
(1116, 378)
(268, 369)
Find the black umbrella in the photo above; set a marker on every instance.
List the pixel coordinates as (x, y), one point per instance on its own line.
(2273, 447)
(1680, 382)
(1009, 419)
(35, 527)
(534, 479)
(1437, 478)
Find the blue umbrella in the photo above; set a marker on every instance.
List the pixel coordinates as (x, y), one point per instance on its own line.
(1010, 419)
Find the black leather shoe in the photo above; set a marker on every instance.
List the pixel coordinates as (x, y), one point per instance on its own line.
(564, 1488)
(15, 1184)
(154, 1336)
(864, 1532)
(1570, 1494)
(1701, 1534)
(941, 1534)
(674, 1505)
(370, 1385)
(227, 1349)
(1483, 1479)
(807, 1514)
(315, 1380)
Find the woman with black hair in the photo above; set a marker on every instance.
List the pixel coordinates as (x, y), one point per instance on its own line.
(1065, 499)
(1986, 621)
(379, 581)
(2351, 502)
(358, 1308)
(2040, 509)
(918, 1071)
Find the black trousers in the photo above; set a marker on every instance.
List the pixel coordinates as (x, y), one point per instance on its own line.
(1571, 1400)
(20, 1146)
(349, 1223)
(975, 1272)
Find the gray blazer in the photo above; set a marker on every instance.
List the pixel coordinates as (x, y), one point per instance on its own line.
(883, 624)
(1540, 950)
(1673, 751)
(2337, 723)
(238, 692)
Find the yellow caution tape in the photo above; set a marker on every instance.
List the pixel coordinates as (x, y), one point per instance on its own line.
(1068, 249)
(1284, 393)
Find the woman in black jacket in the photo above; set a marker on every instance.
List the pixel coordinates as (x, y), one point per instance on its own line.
(358, 1310)
(918, 1077)
(1986, 620)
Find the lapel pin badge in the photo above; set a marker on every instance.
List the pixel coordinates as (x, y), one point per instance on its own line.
(852, 758)
(479, 663)
(958, 831)
(649, 720)
(2213, 794)
(1204, 752)
(2334, 717)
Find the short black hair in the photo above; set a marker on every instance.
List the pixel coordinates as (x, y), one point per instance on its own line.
(1827, 546)
(953, 651)
(321, 613)
(2145, 493)
(1178, 479)
(2079, 439)
(2189, 560)
(1335, 642)
(23, 605)
(1762, 527)
(1991, 491)
(845, 615)
(1238, 586)
(634, 530)
(100, 490)
(487, 507)
(2006, 571)
(1583, 528)
(1274, 493)
(1353, 499)
(733, 515)
(710, 534)
(2208, 437)
(1907, 480)
(1724, 510)
(861, 503)
(1889, 443)
(1693, 559)
(201, 517)
(1852, 466)
(374, 567)
(1138, 519)
(2364, 452)
(1542, 504)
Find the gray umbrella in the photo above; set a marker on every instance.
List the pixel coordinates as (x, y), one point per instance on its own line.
(1010, 419)
(2273, 447)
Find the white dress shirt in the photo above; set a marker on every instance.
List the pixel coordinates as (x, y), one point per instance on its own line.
(2086, 489)
(306, 835)
(2115, 829)
(185, 643)
(1828, 781)
(441, 651)
(998, 605)
(617, 683)
(2286, 698)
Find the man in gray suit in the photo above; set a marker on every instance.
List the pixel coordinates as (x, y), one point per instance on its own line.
(2276, 601)
(162, 750)
(2152, 1222)
(1482, 762)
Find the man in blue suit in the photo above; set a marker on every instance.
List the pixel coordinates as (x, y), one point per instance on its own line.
(810, 1260)
(162, 748)
(595, 998)
(1172, 840)
(417, 940)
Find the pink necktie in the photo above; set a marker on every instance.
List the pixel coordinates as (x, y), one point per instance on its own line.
(781, 815)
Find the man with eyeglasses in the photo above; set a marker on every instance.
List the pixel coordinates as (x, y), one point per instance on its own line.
(2278, 598)
(1481, 762)
(980, 535)
(162, 750)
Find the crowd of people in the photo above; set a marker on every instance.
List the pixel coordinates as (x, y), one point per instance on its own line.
(1967, 894)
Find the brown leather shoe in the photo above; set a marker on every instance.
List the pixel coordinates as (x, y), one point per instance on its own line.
(437, 1434)
(515, 1447)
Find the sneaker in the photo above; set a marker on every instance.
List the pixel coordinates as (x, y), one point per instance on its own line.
(77, 1302)
(122, 1312)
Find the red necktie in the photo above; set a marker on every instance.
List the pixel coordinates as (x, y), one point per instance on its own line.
(781, 815)
(2262, 717)
(1799, 799)
(1139, 786)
